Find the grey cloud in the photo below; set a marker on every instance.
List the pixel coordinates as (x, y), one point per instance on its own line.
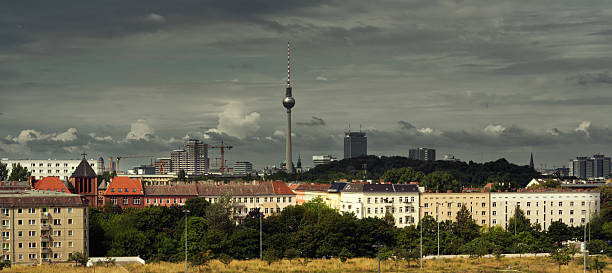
(405, 125)
(315, 121)
(592, 78)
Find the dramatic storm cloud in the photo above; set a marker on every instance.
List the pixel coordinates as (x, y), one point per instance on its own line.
(478, 79)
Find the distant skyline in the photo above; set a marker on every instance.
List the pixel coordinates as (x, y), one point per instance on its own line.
(477, 79)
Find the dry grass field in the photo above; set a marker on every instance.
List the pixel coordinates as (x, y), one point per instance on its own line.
(539, 264)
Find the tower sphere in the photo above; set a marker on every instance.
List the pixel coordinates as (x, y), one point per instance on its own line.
(288, 102)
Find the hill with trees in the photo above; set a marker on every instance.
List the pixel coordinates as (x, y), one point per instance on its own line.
(461, 174)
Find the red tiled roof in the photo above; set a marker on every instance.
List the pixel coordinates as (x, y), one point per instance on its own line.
(120, 184)
(281, 188)
(163, 190)
(312, 187)
(233, 189)
(51, 183)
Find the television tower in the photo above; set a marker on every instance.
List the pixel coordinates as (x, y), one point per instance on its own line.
(288, 102)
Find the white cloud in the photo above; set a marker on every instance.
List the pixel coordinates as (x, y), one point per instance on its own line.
(278, 133)
(321, 78)
(69, 135)
(140, 130)
(584, 127)
(429, 131)
(103, 139)
(155, 18)
(494, 129)
(29, 135)
(236, 121)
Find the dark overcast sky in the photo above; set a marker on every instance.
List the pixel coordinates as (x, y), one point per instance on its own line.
(477, 79)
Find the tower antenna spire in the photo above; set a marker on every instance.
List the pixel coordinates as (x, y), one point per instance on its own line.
(288, 63)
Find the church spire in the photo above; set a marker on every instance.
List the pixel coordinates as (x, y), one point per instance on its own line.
(531, 161)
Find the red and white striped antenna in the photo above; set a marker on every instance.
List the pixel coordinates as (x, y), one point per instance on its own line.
(288, 64)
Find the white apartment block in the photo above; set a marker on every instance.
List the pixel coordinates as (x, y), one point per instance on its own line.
(572, 208)
(375, 200)
(40, 168)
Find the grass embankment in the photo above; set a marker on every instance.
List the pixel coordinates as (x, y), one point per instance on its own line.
(539, 264)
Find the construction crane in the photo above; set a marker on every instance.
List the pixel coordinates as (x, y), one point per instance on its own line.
(222, 147)
(119, 157)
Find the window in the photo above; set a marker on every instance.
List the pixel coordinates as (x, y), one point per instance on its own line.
(560, 212)
(571, 204)
(32, 256)
(571, 212)
(375, 200)
(284, 199)
(19, 222)
(277, 199)
(57, 244)
(6, 234)
(426, 213)
(69, 232)
(19, 233)
(484, 205)
(571, 220)
(69, 244)
(369, 211)
(32, 222)
(494, 221)
(119, 190)
(57, 255)
(126, 201)
(20, 256)
(494, 213)
(113, 200)
(400, 219)
(126, 190)
(494, 204)
(426, 205)
(278, 210)
(400, 200)
(19, 211)
(136, 200)
(448, 214)
(560, 204)
(484, 213)
(5, 223)
(57, 210)
(31, 210)
(57, 233)
(368, 200)
(290, 200)
(483, 222)
(32, 245)
(375, 210)
(4, 212)
(529, 204)
(174, 201)
(582, 203)
(528, 212)
(57, 222)
(458, 205)
(20, 245)
(582, 220)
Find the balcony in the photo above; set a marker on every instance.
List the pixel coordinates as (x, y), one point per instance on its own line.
(45, 249)
(6, 238)
(45, 238)
(45, 226)
(45, 215)
(45, 260)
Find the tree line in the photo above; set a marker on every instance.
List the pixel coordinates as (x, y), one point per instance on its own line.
(313, 230)
(461, 174)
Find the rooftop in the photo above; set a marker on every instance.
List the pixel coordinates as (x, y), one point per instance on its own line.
(121, 185)
(41, 198)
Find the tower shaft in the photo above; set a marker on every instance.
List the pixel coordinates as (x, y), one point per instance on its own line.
(288, 154)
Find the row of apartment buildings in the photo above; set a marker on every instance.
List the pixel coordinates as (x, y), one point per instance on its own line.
(408, 203)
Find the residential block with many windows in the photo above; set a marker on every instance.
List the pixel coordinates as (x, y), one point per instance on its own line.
(42, 226)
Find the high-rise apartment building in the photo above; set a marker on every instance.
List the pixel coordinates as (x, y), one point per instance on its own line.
(193, 159)
(597, 166)
(425, 154)
(355, 144)
(42, 226)
(163, 165)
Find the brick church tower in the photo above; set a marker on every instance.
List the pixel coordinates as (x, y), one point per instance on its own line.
(84, 181)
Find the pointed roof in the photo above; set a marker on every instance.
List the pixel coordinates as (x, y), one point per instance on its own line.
(51, 183)
(531, 161)
(123, 185)
(84, 170)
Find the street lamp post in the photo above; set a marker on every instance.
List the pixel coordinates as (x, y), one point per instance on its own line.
(421, 224)
(260, 235)
(378, 246)
(186, 211)
(438, 221)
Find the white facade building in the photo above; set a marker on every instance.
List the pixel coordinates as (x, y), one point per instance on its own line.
(375, 200)
(243, 168)
(572, 208)
(40, 168)
(322, 159)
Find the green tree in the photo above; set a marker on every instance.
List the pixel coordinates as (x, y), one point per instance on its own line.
(598, 264)
(3, 171)
(270, 255)
(389, 218)
(130, 242)
(558, 232)
(225, 259)
(561, 256)
(19, 173)
(440, 181)
(402, 175)
(344, 254)
(596, 246)
(181, 176)
(219, 214)
(477, 247)
(78, 258)
(465, 227)
(519, 223)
